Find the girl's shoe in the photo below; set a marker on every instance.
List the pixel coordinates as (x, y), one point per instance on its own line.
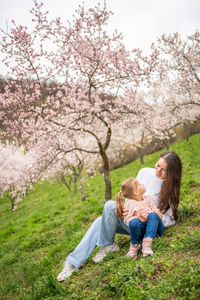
(133, 250)
(146, 247)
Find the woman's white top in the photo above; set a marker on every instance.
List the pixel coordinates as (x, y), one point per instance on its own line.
(152, 183)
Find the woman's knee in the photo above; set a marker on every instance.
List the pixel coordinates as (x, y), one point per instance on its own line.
(98, 220)
(110, 207)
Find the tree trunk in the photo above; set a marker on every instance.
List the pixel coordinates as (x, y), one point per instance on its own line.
(141, 159)
(167, 146)
(141, 155)
(12, 202)
(75, 183)
(106, 169)
(65, 182)
(81, 188)
(187, 132)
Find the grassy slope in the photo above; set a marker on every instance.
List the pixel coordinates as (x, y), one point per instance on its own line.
(35, 239)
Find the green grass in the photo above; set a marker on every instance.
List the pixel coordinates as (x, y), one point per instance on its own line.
(49, 223)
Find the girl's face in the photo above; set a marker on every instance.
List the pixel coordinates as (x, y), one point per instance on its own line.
(140, 189)
(161, 168)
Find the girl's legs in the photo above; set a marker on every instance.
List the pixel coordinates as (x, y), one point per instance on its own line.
(154, 226)
(137, 230)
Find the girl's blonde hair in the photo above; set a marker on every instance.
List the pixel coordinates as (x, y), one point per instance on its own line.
(128, 187)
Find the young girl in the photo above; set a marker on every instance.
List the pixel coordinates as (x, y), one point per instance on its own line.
(138, 207)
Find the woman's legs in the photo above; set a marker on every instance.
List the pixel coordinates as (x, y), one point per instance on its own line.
(110, 225)
(101, 233)
(76, 258)
(86, 245)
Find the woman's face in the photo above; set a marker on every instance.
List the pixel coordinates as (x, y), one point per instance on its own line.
(161, 168)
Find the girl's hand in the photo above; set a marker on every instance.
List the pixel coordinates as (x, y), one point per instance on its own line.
(125, 213)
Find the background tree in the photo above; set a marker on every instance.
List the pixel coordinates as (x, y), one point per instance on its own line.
(19, 170)
(72, 167)
(178, 78)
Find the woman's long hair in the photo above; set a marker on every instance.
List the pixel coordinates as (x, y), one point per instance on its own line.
(127, 189)
(170, 190)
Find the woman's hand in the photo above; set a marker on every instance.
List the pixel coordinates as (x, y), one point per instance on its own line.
(125, 213)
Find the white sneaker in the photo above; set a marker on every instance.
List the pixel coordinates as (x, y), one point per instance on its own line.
(104, 250)
(66, 271)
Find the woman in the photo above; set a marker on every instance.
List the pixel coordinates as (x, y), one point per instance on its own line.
(161, 183)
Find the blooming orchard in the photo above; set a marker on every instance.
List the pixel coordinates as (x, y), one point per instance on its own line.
(79, 108)
(76, 81)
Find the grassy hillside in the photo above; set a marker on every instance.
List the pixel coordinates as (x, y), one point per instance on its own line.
(35, 239)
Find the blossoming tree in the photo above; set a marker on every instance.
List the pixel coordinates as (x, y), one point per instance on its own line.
(76, 166)
(88, 65)
(178, 76)
(18, 172)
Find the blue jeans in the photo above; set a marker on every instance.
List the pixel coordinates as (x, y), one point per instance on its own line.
(139, 230)
(101, 232)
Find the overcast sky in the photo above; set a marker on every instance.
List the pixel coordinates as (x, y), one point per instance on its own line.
(140, 21)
